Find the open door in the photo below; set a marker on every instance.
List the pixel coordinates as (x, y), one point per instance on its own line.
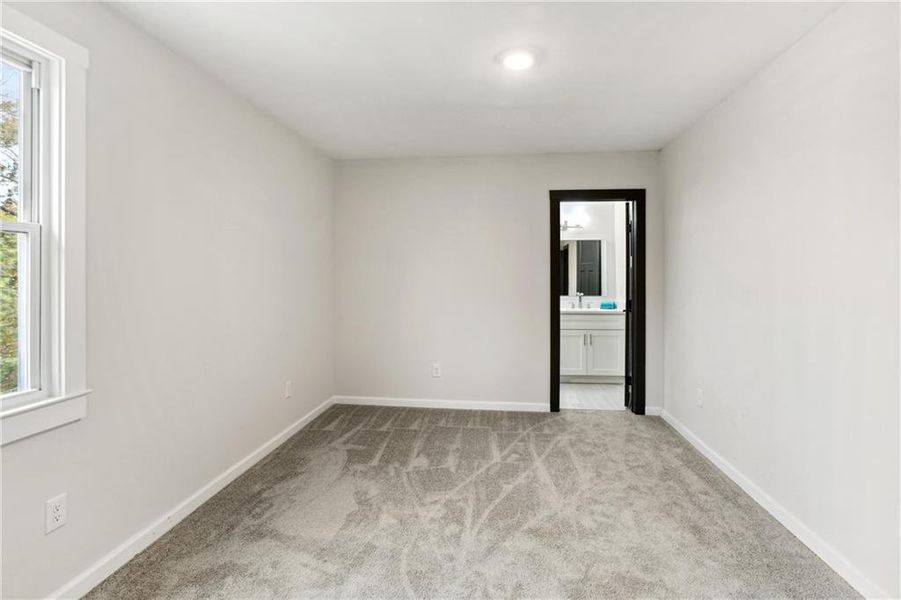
(630, 297)
(634, 309)
(634, 375)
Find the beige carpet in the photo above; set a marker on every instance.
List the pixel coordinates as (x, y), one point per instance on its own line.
(373, 502)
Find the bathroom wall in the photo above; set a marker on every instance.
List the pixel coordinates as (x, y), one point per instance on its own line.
(620, 249)
(772, 198)
(474, 296)
(601, 221)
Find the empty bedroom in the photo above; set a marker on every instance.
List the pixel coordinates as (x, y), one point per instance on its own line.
(449, 300)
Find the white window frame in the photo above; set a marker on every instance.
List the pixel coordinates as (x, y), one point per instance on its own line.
(55, 230)
(33, 384)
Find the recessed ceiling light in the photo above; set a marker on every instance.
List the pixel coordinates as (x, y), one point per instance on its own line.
(517, 59)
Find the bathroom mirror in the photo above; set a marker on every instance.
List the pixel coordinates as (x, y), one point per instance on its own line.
(582, 267)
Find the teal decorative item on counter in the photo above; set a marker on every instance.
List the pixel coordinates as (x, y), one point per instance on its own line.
(608, 304)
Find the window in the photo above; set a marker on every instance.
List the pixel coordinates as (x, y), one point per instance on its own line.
(42, 284)
(20, 237)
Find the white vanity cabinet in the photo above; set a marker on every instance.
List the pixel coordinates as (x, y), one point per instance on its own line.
(592, 345)
(607, 352)
(573, 352)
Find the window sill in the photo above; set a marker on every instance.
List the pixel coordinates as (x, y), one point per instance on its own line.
(42, 415)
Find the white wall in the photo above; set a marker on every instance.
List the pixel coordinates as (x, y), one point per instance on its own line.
(475, 294)
(619, 220)
(771, 200)
(209, 277)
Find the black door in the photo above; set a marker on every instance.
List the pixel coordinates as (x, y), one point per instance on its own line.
(589, 268)
(564, 271)
(630, 295)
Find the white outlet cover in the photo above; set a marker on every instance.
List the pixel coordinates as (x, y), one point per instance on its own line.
(289, 389)
(436, 369)
(56, 513)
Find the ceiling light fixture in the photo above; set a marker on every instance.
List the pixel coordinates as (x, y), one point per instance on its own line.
(517, 59)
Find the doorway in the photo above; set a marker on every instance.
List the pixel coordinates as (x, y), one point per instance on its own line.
(604, 335)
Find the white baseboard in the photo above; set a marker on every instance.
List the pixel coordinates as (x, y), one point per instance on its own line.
(820, 547)
(432, 403)
(653, 411)
(106, 566)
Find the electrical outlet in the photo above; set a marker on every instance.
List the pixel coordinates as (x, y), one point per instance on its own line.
(699, 397)
(289, 389)
(56, 514)
(436, 369)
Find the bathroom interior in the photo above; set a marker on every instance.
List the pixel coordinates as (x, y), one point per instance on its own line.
(592, 301)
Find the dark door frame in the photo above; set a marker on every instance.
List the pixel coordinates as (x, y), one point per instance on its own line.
(635, 314)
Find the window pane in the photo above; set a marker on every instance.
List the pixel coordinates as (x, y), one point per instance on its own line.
(13, 312)
(12, 84)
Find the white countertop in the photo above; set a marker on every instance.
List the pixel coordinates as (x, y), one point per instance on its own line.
(591, 311)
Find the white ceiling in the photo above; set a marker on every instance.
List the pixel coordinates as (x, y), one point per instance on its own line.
(380, 80)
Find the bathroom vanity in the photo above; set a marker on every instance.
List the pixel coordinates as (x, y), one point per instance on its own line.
(592, 339)
(592, 345)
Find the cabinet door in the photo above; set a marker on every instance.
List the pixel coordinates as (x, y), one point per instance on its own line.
(573, 359)
(606, 352)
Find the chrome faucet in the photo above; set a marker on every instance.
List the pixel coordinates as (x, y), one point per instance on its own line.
(580, 294)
